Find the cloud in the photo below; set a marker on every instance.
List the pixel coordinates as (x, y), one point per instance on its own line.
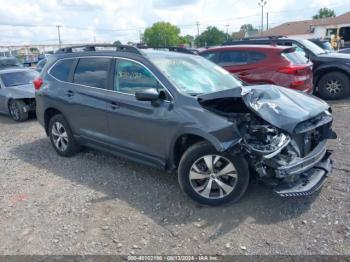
(110, 20)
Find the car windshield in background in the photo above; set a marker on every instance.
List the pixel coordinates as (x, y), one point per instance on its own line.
(18, 78)
(312, 47)
(192, 74)
(9, 62)
(296, 58)
(327, 46)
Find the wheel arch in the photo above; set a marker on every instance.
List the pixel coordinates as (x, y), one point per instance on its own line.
(330, 69)
(49, 113)
(186, 139)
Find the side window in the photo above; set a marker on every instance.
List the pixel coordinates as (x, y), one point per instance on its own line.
(92, 72)
(231, 58)
(62, 69)
(212, 56)
(255, 57)
(131, 77)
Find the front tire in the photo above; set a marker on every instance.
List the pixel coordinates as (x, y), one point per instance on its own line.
(212, 178)
(334, 85)
(62, 137)
(16, 109)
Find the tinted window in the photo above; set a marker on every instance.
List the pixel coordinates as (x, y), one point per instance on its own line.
(295, 57)
(92, 72)
(18, 78)
(62, 69)
(131, 77)
(256, 56)
(212, 56)
(228, 58)
(9, 62)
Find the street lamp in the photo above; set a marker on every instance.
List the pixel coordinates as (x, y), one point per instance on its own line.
(262, 4)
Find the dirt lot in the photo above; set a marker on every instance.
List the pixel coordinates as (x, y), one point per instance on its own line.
(99, 204)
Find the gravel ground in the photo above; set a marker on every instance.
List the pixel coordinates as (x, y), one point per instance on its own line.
(99, 204)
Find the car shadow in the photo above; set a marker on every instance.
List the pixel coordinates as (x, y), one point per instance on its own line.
(6, 119)
(156, 193)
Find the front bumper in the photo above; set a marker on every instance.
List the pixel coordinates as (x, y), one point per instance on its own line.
(309, 181)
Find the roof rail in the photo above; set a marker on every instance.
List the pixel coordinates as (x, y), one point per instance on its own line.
(93, 48)
(183, 50)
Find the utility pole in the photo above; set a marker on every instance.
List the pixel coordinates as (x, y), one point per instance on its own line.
(59, 35)
(197, 28)
(267, 21)
(262, 4)
(227, 26)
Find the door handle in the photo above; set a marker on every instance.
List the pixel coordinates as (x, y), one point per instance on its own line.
(70, 93)
(114, 105)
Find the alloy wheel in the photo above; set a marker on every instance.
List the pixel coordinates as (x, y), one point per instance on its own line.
(213, 176)
(333, 86)
(14, 111)
(59, 136)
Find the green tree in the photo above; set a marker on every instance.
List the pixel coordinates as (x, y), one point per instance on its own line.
(211, 36)
(162, 34)
(247, 27)
(117, 42)
(323, 13)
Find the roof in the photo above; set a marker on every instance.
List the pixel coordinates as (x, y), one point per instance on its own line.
(14, 70)
(305, 27)
(248, 47)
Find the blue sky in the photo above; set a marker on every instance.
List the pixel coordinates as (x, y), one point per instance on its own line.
(90, 20)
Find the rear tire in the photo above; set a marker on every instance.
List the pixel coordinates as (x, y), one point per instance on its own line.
(16, 110)
(334, 85)
(226, 180)
(61, 137)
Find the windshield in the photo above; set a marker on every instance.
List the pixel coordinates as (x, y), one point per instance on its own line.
(18, 78)
(312, 47)
(9, 62)
(193, 74)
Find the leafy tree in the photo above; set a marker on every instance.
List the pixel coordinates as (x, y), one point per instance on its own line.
(117, 42)
(323, 13)
(162, 34)
(247, 27)
(211, 36)
(187, 39)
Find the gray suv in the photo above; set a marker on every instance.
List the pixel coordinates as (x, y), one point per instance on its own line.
(183, 113)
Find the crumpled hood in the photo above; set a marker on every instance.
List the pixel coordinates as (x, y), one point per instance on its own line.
(22, 91)
(281, 107)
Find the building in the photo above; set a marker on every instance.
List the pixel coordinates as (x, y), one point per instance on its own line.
(317, 28)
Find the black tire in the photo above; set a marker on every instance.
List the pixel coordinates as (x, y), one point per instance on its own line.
(16, 110)
(199, 150)
(71, 147)
(334, 85)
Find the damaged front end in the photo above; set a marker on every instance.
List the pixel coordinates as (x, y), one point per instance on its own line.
(283, 134)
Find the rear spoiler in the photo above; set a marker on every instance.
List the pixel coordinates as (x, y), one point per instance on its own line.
(291, 49)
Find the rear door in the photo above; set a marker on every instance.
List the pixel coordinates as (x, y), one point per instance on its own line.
(86, 97)
(238, 63)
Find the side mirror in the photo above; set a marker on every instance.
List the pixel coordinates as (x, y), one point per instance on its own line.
(150, 94)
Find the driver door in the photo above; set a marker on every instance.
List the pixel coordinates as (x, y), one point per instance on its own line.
(137, 128)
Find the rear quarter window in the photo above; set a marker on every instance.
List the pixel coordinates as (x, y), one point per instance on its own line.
(296, 58)
(62, 69)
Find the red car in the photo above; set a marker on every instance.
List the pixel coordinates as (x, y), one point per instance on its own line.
(278, 65)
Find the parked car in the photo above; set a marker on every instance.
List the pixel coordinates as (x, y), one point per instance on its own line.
(331, 70)
(323, 43)
(9, 62)
(345, 51)
(181, 112)
(17, 93)
(39, 66)
(260, 64)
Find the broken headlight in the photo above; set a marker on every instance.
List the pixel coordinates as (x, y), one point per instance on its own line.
(265, 140)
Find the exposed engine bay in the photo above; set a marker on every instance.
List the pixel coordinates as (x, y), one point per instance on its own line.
(287, 160)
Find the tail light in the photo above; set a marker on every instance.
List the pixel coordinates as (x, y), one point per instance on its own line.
(38, 82)
(295, 70)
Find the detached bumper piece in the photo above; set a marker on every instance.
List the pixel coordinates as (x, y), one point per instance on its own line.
(30, 107)
(310, 181)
